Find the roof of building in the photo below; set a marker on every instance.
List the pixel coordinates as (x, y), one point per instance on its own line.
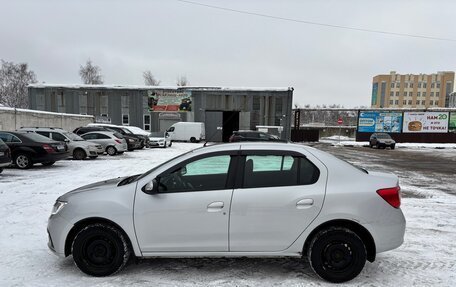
(142, 87)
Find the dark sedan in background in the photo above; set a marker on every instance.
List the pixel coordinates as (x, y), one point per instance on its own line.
(255, 136)
(5, 155)
(30, 148)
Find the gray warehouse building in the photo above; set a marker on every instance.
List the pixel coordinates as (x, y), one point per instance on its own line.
(155, 108)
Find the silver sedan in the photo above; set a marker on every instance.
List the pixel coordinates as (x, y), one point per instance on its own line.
(113, 143)
(238, 199)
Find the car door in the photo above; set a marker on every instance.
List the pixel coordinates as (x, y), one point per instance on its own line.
(279, 194)
(190, 212)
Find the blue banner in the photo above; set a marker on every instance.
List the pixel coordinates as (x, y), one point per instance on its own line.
(386, 122)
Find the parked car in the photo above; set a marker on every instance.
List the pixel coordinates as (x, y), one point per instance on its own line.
(133, 141)
(5, 156)
(82, 130)
(238, 136)
(140, 133)
(381, 140)
(30, 148)
(112, 142)
(237, 199)
(159, 139)
(77, 146)
(187, 131)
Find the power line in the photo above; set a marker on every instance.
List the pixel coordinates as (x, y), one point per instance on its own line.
(317, 23)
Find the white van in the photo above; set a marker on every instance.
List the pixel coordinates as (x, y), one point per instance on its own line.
(187, 131)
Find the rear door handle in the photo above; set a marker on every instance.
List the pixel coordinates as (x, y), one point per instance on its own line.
(304, 203)
(215, 206)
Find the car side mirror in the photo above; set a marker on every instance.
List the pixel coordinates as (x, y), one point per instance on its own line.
(151, 187)
(66, 140)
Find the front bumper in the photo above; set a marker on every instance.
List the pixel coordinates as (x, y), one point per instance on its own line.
(57, 229)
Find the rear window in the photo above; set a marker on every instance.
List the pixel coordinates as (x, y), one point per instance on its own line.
(119, 136)
(37, 138)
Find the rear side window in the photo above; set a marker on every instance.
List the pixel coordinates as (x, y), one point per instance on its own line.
(58, 137)
(278, 170)
(89, 136)
(119, 136)
(102, 136)
(44, 134)
(9, 138)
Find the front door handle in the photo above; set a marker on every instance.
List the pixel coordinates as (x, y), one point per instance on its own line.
(304, 203)
(215, 206)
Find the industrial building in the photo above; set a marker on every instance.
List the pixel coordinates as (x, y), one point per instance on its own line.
(412, 91)
(155, 108)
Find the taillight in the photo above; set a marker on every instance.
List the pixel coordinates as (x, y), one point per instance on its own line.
(118, 141)
(391, 195)
(48, 148)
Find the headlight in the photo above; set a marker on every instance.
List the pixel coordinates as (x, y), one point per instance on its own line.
(131, 140)
(59, 205)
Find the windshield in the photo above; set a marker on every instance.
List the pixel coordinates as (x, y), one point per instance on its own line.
(73, 137)
(383, 136)
(150, 171)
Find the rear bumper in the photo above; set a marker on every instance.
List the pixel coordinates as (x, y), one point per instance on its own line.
(388, 234)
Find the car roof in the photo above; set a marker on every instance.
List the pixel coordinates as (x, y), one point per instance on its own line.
(100, 132)
(48, 129)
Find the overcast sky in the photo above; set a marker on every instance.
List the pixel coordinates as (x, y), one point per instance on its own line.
(221, 48)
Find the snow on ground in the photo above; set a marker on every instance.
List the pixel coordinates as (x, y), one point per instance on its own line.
(26, 197)
(346, 141)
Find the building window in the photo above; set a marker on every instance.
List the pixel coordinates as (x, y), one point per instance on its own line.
(418, 94)
(423, 103)
(419, 84)
(392, 85)
(404, 102)
(83, 104)
(410, 94)
(397, 94)
(125, 119)
(406, 85)
(437, 94)
(432, 94)
(391, 102)
(424, 94)
(438, 85)
(391, 94)
(424, 85)
(410, 102)
(147, 122)
(60, 102)
(405, 94)
(436, 103)
(411, 85)
(398, 84)
(432, 85)
(397, 102)
(431, 103)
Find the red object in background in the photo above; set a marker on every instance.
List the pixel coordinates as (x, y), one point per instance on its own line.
(340, 121)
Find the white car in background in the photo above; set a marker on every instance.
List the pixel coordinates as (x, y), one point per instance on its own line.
(234, 200)
(112, 142)
(159, 139)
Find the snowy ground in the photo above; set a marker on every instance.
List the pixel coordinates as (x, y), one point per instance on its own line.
(427, 258)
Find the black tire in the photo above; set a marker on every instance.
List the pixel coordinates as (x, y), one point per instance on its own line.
(93, 157)
(79, 154)
(100, 250)
(120, 152)
(110, 150)
(371, 145)
(193, 139)
(1, 170)
(393, 146)
(337, 254)
(48, 163)
(170, 143)
(23, 161)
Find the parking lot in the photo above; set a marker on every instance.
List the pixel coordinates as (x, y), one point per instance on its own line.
(426, 257)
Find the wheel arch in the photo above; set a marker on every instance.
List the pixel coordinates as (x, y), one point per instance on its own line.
(78, 226)
(360, 230)
(79, 148)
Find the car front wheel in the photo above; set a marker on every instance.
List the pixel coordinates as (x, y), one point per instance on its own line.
(337, 254)
(100, 250)
(111, 150)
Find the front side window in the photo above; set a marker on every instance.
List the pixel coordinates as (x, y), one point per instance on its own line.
(89, 136)
(9, 138)
(210, 173)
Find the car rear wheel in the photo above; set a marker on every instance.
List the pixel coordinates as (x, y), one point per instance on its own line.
(393, 146)
(170, 143)
(111, 150)
(79, 154)
(1, 169)
(337, 254)
(23, 161)
(193, 139)
(100, 250)
(48, 163)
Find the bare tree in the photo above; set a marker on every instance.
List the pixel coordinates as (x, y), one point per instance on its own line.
(14, 79)
(182, 81)
(149, 79)
(90, 74)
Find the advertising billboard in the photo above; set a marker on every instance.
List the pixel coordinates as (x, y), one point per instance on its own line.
(425, 122)
(452, 124)
(387, 122)
(169, 101)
